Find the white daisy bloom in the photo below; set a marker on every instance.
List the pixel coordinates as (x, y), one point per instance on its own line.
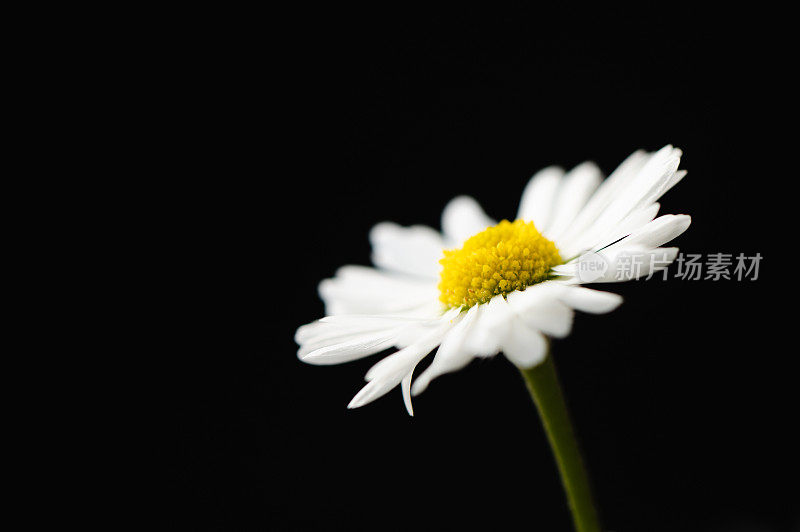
(479, 288)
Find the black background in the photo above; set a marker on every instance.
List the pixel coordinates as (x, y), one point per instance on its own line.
(683, 398)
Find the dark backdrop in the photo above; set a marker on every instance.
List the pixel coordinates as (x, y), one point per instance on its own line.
(683, 398)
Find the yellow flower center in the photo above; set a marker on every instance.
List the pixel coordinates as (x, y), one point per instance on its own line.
(509, 256)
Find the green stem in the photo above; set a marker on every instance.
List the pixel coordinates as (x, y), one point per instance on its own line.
(542, 382)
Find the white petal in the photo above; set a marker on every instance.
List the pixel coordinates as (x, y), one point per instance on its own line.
(524, 347)
(575, 189)
(363, 290)
(539, 195)
(492, 321)
(351, 349)
(412, 334)
(674, 180)
(412, 250)
(338, 339)
(633, 222)
(390, 371)
(451, 355)
(658, 232)
(341, 335)
(373, 390)
(405, 386)
(539, 308)
(644, 188)
(395, 367)
(322, 330)
(308, 331)
(565, 269)
(497, 317)
(588, 300)
(371, 320)
(479, 340)
(605, 194)
(463, 218)
(402, 359)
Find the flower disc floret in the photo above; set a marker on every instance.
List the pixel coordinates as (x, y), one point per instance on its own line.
(501, 259)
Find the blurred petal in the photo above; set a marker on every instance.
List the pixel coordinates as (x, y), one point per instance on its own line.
(463, 218)
(524, 347)
(539, 196)
(412, 250)
(575, 189)
(364, 290)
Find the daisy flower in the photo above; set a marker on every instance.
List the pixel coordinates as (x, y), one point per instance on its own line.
(480, 287)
